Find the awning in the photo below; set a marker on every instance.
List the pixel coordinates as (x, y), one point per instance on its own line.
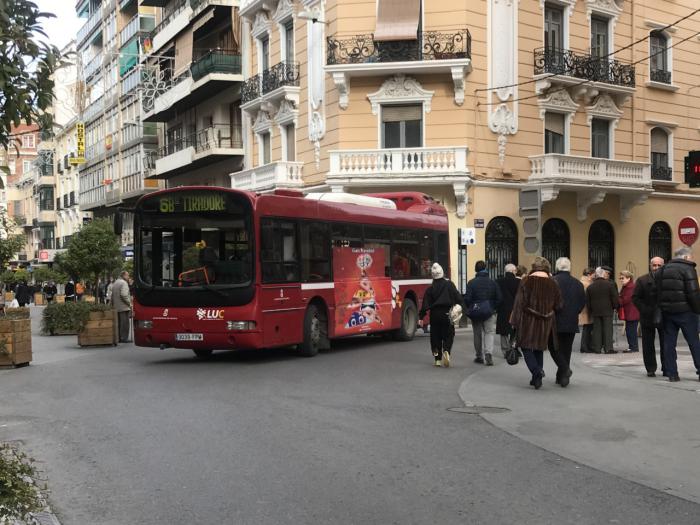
(183, 51)
(397, 20)
(203, 20)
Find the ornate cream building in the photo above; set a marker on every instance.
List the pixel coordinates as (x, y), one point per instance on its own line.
(593, 102)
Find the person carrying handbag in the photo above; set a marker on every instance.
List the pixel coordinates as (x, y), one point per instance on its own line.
(440, 299)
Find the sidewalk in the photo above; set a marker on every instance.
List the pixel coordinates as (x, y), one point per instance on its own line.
(611, 417)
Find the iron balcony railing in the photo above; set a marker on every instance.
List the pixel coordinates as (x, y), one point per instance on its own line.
(168, 17)
(579, 65)
(251, 89)
(92, 23)
(93, 66)
(430, 45)
(661, 173)
(138, 23)
(216, 61)
(661, 75)
(217, 136)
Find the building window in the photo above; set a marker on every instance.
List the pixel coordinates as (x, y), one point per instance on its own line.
(26, 166)
(658, 58)
(600, 138)
(660, 241)
(553, 28)
(501, 245)
(402, 126)
(265, 55)
(289, 42)
(555, 240)
(660, 169)
(266, 148)
(599, 37)
(290, 140)
(28, 141)
(554, 129)
(46, 200)
(601, 245)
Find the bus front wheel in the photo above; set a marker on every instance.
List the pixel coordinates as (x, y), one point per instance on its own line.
(315, 331)
(203, 353)
(409, 321)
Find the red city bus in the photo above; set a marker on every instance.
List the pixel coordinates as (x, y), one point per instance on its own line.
(216, 268)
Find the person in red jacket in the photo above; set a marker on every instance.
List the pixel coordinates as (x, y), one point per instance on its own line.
(629, 310)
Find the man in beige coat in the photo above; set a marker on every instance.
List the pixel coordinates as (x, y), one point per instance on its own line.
(121, 302)
(584, 318)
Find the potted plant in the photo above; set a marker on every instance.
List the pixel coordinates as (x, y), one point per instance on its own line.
(95, 324)
(15, 338)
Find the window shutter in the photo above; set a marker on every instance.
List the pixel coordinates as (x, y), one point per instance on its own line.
(399, 113)
(554, 122)
(397, 20)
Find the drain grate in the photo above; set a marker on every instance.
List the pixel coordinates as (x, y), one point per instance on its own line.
(476, 410)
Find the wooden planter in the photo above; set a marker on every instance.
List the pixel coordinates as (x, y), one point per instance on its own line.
(39, 299)
(17, 337)
(100, 329)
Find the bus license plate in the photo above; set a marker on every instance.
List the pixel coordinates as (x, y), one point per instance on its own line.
(189, 337)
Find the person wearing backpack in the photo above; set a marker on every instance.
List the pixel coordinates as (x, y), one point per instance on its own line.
(482, 299)
(439, 299)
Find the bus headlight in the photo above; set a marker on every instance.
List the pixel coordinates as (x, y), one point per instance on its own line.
(146, 325)
(240, 325)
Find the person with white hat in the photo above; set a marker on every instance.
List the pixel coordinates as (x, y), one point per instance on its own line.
(445, 305)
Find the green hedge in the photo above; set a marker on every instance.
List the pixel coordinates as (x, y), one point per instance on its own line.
(68, 317)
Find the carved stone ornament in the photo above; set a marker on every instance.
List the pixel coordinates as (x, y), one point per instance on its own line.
(261, 25)
(503, 122)
(606, 7)
(461, 197)
(342, 85)
(605, 108)
(284, 11)
(317, 129)
(570, 3)
(627, 202)
(262, 122)
(586, 199)
(287, 113)
(400, 89)
(558, 101)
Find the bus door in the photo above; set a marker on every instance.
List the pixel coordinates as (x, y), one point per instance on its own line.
(280, 299)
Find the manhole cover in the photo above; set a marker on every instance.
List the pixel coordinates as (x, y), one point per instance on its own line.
(475, 409)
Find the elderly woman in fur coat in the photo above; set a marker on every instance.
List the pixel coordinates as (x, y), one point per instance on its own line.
(533, 316)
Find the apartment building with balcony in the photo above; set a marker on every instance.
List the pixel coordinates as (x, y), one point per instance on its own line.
(111, 45)
(589, 101)
(193, 91)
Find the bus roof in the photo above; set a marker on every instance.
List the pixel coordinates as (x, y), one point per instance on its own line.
(290, 203)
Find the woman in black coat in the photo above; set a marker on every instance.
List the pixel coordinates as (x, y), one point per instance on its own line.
(509, 288)
(23, 294)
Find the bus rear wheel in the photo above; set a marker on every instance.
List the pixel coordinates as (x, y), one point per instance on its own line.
(315, 331)
(203, 353)
(409, 321)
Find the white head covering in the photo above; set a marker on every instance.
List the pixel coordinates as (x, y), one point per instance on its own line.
(436, 271)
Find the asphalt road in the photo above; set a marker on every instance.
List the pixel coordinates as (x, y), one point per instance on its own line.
(357, 435)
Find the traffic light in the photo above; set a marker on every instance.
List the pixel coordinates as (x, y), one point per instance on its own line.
(530, 209)
(692, 169)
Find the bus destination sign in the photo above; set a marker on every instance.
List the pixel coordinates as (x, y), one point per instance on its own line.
(191, 202)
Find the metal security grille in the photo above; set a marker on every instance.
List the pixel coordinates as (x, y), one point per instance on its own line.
(660, 239)
(555, 240)
(601, 245)
(501, 245)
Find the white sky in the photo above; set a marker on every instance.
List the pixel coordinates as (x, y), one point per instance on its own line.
(64, 27)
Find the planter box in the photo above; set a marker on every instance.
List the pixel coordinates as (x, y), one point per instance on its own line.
(100, 329)
(60, 298)
(9, 296)
(39, 299)
(16, 334)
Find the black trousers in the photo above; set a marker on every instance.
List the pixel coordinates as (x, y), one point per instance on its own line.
(586, 337)
(442, 333)
(562, 355)
(648, 349)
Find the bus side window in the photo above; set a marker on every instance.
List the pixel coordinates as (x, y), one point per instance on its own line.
(346, 235)
(278, 251)
(443, 252)
(379, 238)
(407, 260)
(315, 252)
(427, 253)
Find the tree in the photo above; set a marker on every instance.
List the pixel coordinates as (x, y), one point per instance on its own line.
(26, 82)
(92, 252)
(10, 242)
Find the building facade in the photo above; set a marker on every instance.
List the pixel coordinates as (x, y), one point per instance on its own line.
(110, 45)
(192, 90)
(591, 102)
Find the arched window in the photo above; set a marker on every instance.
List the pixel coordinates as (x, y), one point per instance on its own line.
(660, 239)
(658, 58)
(601, 245)
(501, 245)
(660, 169)
(555, 240)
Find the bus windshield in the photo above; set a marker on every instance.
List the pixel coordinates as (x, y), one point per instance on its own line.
(195, 239)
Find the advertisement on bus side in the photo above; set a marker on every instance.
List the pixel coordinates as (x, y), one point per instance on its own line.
(362, 291)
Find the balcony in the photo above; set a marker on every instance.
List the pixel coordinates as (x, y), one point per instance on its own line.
(205, 147)
(569, 68)
(433, 52)
(46, 217)
(166, 95)
(591, 179)
(93, 66)
(94, 110)
(131, 81)
(92, 23)
(200, 5)
(138, 24)
(279, 81)
(283, 174)
(659, 75)
(405, 167)
(172, 23)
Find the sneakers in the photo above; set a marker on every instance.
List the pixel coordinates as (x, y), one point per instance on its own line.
(479, 360)
(489, 360)
(446, 359)
(438, 363)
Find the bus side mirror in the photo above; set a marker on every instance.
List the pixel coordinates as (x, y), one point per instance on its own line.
(118, 222)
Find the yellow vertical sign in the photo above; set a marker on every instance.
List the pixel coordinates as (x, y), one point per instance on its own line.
(80, 144)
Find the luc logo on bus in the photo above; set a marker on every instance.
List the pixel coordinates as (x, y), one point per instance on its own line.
(210, 315)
